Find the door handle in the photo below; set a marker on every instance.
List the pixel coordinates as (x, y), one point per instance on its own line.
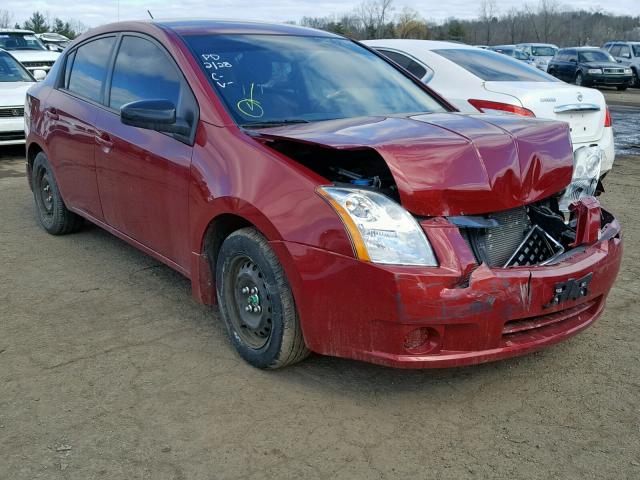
(52, 113)
(104, 140)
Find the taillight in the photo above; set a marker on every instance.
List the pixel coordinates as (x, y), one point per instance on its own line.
(607, 118)
(486, 106)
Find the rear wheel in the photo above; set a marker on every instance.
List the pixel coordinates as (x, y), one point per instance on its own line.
(51, 210)
(256, 302)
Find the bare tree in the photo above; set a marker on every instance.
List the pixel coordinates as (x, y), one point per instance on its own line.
(6, 18)
(488, 12)
(374, 15)
(409, 24)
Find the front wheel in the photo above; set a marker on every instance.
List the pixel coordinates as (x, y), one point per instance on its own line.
(579, 79)
(256, 302)
(622, 88)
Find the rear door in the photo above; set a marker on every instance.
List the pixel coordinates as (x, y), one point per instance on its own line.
(72, 109)
(144, 175)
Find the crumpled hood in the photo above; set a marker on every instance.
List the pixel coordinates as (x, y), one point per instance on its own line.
(451, 163)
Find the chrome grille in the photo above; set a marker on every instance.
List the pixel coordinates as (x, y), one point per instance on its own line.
(615, 71)
(37, 64)
(11, 112)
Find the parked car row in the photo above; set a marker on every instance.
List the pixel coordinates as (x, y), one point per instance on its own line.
(25, 46)
(351, 211)
(480, 80)
(588, 66)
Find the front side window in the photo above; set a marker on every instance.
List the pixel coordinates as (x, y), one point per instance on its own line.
(143, 72)
(625, 51)
(11, 70)
(595, 56)
(615, 51)
(636, 50)
(89, 68)
(281, 78)
(20, 41)
(492, 66)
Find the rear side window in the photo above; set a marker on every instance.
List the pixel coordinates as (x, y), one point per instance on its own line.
(492, 66)
(143, 72)
(89, 68)
(411, 65)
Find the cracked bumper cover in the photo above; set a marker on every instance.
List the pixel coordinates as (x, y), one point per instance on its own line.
(473, 314)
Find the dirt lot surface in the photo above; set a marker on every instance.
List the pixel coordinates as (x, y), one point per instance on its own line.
(108, 369)
(630, 97)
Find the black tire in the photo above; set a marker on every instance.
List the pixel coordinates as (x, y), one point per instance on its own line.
(271, 337)
(635, 79)
(622, 88)
(579, 79)
(51, 210)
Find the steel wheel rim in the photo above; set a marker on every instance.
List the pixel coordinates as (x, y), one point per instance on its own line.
(249, 302)
(45, 193)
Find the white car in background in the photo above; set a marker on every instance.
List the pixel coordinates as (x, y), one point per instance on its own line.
(15, 80)
(27, 49)
(477, 80)
(542, 53)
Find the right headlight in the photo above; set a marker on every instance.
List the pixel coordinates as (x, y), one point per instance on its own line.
(381, 230)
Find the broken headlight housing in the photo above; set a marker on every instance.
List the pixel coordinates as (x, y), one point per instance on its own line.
(587, 162)
(381, 230)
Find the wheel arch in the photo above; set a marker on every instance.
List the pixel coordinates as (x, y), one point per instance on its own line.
(210, 239)
(33, 149)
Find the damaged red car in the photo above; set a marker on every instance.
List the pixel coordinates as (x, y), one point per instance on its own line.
(325, 199)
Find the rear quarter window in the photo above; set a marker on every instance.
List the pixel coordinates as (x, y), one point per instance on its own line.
(494, 67)
(408, 63)
(89, 68)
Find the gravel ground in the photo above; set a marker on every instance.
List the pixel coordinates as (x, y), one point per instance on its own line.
(108, 369)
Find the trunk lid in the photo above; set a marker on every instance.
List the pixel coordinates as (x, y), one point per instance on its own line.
(582, 108)
(453, 164)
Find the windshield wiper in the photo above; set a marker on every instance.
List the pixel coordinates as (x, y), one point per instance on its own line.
(273, 123)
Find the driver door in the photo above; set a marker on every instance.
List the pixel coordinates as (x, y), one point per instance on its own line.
(144, 175)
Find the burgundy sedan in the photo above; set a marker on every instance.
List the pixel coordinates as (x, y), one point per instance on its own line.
(323, 198)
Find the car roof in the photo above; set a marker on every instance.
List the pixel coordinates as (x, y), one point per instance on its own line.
(422, 44)
(15, 30)
(540, 44)
(185, 27)
(213, 26)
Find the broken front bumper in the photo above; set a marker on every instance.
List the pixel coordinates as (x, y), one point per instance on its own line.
(456, 314)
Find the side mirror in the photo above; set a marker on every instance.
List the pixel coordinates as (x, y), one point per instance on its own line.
(573, 60)
(53, 48)
(158, 115)
(39, 74)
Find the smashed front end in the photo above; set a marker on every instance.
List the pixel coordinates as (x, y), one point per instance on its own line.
(513, 271)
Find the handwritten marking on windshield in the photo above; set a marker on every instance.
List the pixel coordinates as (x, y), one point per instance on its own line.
(250, 107)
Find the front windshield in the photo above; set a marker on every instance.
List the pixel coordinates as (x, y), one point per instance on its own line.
(520, 55)
(543, 51)
(282, 78)
(20, 41)
(595, 56)
(11, 70)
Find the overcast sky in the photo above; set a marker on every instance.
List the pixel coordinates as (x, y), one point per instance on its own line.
(96, 12)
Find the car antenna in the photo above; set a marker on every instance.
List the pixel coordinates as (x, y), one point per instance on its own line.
(149, 12)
